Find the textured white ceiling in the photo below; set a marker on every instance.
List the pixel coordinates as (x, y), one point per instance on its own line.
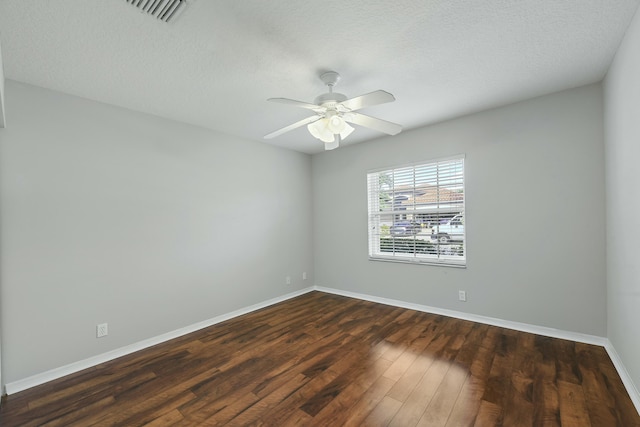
(219, 61)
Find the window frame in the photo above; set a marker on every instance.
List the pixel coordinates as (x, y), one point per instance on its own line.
(374, 214)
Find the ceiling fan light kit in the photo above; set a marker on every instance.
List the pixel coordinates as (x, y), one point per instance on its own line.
(334, 111)
(336, 124)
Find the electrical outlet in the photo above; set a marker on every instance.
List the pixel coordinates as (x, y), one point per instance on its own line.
(304, 275)
(287, 280)
(102, 330)
(462, 295)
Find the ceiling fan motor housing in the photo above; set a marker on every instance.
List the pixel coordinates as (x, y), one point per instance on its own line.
(330, 99)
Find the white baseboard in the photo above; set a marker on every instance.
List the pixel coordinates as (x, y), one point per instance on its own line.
(634, 394)
(524, 327)
(38, 379)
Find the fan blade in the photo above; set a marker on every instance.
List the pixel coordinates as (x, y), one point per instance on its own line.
(293, 126)
(294, 103)
(367, 100)
(373, 123)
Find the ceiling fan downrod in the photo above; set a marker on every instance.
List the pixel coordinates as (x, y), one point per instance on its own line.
(330, 78)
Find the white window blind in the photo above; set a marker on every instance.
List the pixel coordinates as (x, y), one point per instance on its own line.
(416, 213)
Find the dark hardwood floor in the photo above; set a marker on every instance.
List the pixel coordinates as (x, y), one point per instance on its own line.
(327, 360)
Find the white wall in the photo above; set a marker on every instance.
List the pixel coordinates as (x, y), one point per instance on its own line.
(622, 124)
(2, 108)
(2, 124)
(109, 215)
(535, 214)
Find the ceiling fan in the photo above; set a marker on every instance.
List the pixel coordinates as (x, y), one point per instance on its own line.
(333, 113)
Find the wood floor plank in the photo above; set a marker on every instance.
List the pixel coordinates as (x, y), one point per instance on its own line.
(264, 405)
(81, 415)
(546, 406)
(368, 402)
(383, 412)
(573, 406)
(439, 410)
(145, 412)
(346, 370)
(339, 409)
(328, 360)
(471, 355)
(519, 402)
(234, 407)
(613, 383)
(467, 404)
(291, 404)
(441, 405)
(499, 386)
(416, 403)
(600, 403)
(298, 418)
(401, 365)
(483, 359)
(566, 362)
(170, 418)
(489, 415)
(410, 379)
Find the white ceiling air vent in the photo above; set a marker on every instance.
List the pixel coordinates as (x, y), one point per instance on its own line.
(165, 10)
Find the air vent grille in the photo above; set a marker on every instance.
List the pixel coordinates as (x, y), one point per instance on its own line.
(164, 10)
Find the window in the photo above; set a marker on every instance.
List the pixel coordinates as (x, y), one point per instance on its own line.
(416, 213)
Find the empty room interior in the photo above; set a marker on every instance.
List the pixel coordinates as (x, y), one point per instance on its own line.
(408, 213)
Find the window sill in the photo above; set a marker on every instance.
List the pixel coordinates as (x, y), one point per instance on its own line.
(418, 261)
